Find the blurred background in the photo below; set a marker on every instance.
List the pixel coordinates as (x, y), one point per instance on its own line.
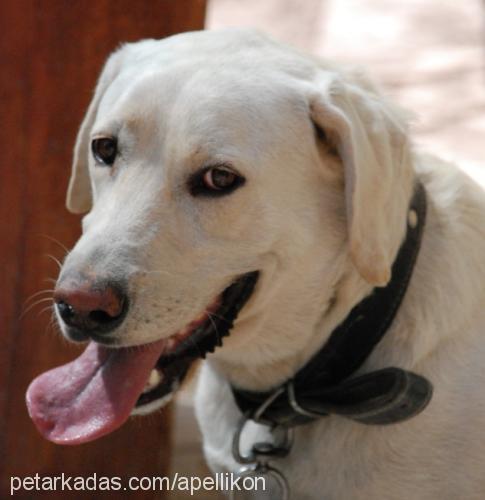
(428, 55)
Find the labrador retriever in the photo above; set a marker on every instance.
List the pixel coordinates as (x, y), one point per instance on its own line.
(242, 199)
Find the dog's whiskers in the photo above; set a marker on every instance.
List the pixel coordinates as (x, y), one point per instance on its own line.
(216, 315)
(218, 336)
(41, 292)
(55, 240)
(50, 307)
(54, 259)
(36, 303)
(50, 324)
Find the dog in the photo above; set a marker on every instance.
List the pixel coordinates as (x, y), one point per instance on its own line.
(242, 198)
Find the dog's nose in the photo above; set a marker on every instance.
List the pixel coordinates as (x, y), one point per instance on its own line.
(90, 308)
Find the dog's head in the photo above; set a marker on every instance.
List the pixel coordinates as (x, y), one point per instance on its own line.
(215, 168)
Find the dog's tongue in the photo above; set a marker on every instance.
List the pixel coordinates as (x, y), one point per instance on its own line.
(93, 395)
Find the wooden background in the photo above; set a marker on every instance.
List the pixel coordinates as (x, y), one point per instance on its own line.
(51, 52)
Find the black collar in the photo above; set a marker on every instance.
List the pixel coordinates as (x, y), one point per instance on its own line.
(323, 386)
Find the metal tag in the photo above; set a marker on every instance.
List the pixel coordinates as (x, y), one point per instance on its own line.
(256, 464)
(273, 487)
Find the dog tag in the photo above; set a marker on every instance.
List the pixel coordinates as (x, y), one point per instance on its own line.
(260, 481)
(257, 478)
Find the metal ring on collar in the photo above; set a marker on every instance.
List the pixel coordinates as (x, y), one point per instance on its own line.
(236, 443)
(281, 444)
(290, 389)
(257, 416)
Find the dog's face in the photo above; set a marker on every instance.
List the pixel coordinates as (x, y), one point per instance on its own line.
(216, 168)
(199, 177)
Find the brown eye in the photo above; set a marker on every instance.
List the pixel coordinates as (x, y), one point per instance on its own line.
(215, 181)
(219, 178)
(104, 150)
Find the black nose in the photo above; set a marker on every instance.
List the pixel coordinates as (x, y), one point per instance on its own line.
(90, 309)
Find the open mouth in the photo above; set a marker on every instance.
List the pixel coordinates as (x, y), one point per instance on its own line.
(96, 393)
(196, 340)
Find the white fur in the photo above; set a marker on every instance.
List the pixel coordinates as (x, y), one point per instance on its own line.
(321, 219)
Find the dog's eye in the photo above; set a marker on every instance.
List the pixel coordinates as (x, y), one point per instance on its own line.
(219, 178)
(215, 181)
(105, 150)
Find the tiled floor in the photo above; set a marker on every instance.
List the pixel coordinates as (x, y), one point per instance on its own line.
(427, 54)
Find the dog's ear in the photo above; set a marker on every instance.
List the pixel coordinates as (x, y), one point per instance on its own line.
(79, 192)
(370, 137)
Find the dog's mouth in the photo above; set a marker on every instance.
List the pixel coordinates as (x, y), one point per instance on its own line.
(196, 340)
(96, 393)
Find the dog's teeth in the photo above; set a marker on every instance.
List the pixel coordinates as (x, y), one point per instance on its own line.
(153, 380)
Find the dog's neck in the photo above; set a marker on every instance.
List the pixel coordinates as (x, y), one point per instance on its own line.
(266, 350)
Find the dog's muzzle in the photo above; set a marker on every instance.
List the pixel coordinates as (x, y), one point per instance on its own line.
(96, 393)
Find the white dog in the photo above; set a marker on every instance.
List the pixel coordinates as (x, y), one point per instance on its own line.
(228, 179)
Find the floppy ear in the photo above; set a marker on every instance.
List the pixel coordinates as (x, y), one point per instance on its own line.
(79, 193)
(371, 139)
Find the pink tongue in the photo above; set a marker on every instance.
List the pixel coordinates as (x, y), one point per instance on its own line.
(92, 395)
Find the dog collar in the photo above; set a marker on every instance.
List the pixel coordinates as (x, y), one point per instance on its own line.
(324, 386)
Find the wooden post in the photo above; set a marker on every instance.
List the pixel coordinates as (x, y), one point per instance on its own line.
(51, 53)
